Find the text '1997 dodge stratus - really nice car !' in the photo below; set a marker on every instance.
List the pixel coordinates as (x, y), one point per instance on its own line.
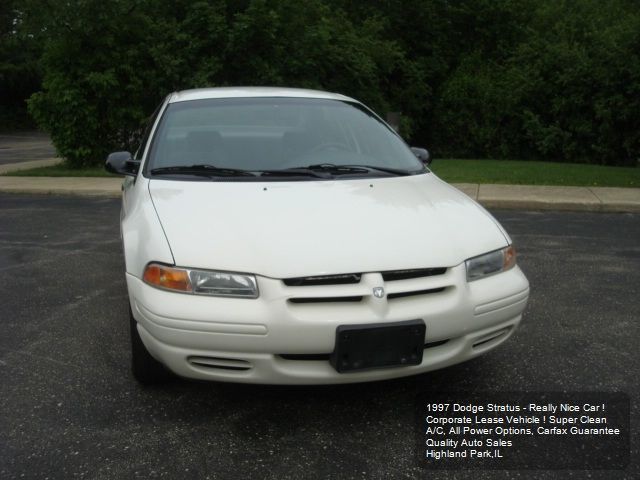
(288, 236)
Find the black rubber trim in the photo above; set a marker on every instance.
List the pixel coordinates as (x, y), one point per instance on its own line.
(326, 299)
(342, 279)
(325, 356)
(392, 276)
(391, 296)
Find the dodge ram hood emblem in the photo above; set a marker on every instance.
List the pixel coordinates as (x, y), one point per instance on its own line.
(378, 292)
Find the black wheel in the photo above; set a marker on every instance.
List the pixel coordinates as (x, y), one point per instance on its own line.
(145, 368)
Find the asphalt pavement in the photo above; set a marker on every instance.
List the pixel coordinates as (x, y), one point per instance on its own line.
(69, 407)
(26, 146)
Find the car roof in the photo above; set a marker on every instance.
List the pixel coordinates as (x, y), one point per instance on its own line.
(248, 92)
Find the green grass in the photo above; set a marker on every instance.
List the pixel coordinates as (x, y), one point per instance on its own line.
(460, 171)
(534, 173)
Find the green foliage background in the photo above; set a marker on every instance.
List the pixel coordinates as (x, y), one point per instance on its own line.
(557, 80)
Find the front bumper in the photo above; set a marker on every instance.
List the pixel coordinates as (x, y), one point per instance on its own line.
(278, 339)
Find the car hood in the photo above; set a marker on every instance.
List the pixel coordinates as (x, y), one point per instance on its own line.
(305, 228)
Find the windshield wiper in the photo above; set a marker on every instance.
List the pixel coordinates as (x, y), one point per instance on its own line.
(334, 169)
(295, 172)
(206, 170)
(394, 171)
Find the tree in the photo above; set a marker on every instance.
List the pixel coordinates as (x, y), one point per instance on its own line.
(108, 63)
(19, 74)
(530, 79)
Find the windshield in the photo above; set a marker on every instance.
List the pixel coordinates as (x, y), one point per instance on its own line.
(271, 134)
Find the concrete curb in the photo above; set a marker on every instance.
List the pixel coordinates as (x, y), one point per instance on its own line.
(83, 186)
(521, 197)
(13, 167)
(542, 197)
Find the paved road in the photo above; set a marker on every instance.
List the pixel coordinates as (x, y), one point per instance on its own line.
(69, 408)
(25, 147)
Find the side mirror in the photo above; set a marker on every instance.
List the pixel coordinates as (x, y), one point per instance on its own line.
(122, 163)
(422, 154)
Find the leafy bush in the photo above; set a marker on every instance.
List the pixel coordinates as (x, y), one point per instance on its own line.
(529, 79)
(567, 89)
(110, 64)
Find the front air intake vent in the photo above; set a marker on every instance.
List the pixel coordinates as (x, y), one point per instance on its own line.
(392, 276)
(342, 279)
(220, 363)
(391, 296)
(325, 356)
(325, 299)
(491, 337)
(435, 344)
(306, 356)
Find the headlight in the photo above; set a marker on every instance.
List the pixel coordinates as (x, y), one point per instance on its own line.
(201, 282)
(490, 263)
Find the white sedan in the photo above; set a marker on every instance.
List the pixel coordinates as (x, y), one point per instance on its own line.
(290, 236)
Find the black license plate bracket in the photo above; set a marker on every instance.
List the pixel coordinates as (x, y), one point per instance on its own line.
(378, 345)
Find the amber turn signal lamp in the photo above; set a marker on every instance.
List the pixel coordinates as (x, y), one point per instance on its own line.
(509, 257)
(166, 277)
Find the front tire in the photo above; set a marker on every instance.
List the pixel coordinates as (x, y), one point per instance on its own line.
(146, 369)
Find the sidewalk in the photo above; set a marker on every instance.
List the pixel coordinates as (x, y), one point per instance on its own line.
(94, 186)
(596, 199)
(542, 197)
(26, 165)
